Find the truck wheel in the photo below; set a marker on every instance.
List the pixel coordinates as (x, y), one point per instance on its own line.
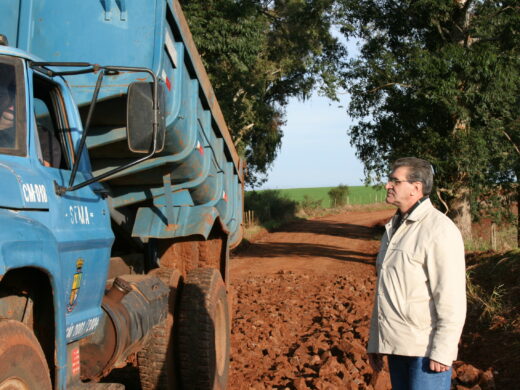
(157, 370)
(22, 362)
(204, 331)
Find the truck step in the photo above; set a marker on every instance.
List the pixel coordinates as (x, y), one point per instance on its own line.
(98, 386)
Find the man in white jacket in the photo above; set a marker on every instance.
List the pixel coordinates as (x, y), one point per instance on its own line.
(420, 302)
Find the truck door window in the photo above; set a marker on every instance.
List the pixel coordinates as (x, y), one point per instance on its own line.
(51, 124)
(12, 107)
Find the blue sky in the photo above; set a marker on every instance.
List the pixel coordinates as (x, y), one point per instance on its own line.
(316, 149)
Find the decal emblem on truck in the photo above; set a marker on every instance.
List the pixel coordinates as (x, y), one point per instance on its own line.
(34, 193)
(200, 148)
(76, 284)
(81, 328)
(79, 215)
(76, 364)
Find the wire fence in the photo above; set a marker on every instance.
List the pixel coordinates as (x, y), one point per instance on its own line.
(373, 197)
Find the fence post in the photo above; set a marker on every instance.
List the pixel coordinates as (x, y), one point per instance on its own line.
(249, 218)
(494, 236)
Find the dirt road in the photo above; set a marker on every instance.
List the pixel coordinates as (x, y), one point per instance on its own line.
(302, 305)
(301, 308)
(303, 297)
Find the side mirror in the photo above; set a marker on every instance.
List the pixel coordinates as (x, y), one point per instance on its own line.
(139, 114)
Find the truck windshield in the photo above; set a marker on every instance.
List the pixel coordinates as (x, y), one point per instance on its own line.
(12, 112)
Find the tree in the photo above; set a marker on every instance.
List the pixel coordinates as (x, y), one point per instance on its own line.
(438, 79)
(258, 54)
(338, 195)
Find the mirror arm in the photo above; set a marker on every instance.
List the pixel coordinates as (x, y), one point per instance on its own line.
(60, 190)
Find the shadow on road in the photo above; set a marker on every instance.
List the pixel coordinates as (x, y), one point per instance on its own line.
(290, 249)
(331, 228)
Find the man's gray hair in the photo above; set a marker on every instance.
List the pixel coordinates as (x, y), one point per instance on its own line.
(418, 170)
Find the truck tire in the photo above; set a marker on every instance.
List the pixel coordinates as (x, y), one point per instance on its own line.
(204, 331)
(157, 369)
(22, 362)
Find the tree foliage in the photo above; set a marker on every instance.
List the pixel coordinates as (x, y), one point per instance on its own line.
(270, 206)
(260, 53)
(437, 79)
(338, 195)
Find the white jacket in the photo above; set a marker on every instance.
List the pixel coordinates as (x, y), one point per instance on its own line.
(420, 302)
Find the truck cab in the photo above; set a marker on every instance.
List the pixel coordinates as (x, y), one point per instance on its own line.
(51, 244)
(56, 298)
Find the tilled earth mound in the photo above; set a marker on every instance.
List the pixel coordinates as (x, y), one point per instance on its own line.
(302, 331)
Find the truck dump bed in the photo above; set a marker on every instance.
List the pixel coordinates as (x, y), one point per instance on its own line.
(196, 181)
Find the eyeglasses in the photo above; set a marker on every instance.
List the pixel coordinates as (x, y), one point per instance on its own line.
(394, 181)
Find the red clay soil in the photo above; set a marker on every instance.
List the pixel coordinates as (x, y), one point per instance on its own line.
(302, 304)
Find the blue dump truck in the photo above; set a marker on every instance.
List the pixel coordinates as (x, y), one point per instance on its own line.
(121, 195)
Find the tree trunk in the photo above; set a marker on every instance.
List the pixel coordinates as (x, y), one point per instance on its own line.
(517, 215)
(460, 212)
(460, 206)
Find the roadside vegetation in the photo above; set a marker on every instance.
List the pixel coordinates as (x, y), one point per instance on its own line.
(493, 281)
(269, 209)
(338, 195)
(491, 335)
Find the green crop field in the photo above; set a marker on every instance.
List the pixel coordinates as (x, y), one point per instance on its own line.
(357, 194)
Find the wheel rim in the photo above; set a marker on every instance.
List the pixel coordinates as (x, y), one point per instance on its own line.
(220, 337)
(14, 384)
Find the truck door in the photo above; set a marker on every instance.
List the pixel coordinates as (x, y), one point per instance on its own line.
(80, 219)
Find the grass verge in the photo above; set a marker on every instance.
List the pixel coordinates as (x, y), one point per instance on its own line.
(491, 335)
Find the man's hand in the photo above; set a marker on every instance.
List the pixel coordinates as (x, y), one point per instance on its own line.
(376, 361)
(7, 118)
(438, 367)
